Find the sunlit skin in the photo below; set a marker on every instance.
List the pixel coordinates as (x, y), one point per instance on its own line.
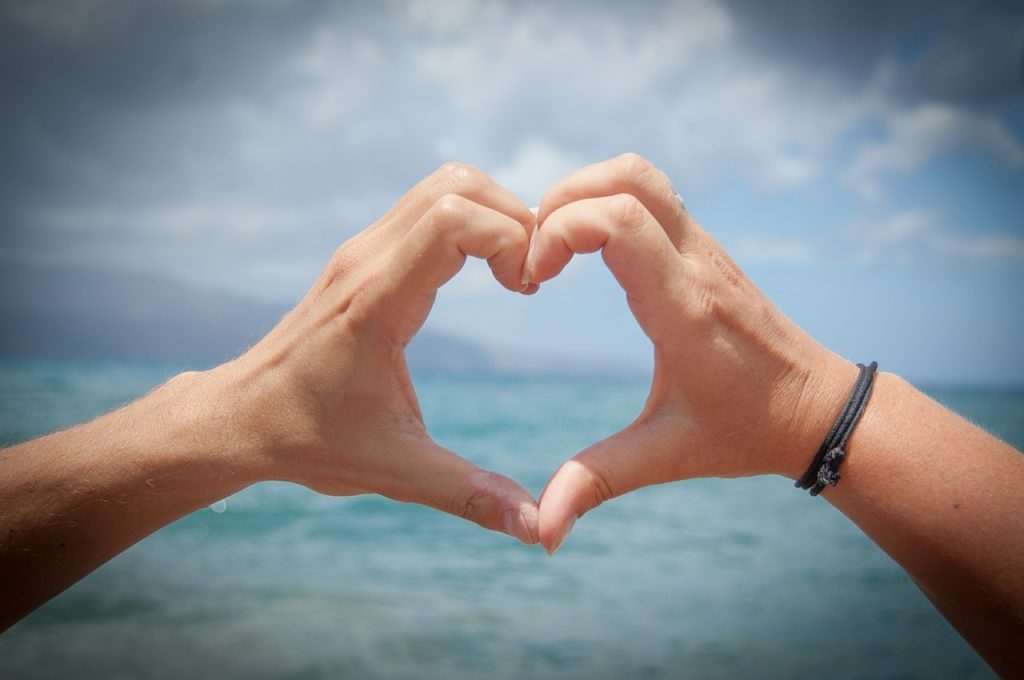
(740, 390)
(325, 400)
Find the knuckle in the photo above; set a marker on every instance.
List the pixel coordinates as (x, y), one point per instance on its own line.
(593, 484)
(354, 308)
(509, 238)
(641, 173)
(627, 211)
(520, 240)
(705, 300)
(470, 503)
(599, 487)
(635, 167)
(447, 170)
(460, 176)
(342, 262)
(448, 211)
(703, 287)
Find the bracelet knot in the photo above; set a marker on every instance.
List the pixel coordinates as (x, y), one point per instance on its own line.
(828, 473)
(824, 469)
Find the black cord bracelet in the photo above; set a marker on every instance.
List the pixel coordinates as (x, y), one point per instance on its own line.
(824, 469)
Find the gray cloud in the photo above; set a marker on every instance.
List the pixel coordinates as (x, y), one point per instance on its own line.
(236, 143)
(119, 113)
(970, 54)
(977, 58)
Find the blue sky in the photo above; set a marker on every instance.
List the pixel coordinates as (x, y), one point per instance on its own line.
(862, 161)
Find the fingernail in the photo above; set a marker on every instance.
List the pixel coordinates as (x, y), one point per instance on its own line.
(515, 525)
(528, 265)
(566, 528)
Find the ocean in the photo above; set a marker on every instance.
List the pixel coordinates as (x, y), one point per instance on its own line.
(709, 578)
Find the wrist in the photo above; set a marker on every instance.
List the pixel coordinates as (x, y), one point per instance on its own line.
(206, 425)
(823, 390)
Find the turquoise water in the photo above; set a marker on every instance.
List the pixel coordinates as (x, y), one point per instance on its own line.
(703, 579)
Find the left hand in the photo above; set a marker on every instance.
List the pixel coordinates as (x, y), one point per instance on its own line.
(325, 399)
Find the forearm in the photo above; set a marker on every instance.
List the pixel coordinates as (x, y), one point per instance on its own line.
(739, 390)
(323, 400)
(942, 497)
(74, 499)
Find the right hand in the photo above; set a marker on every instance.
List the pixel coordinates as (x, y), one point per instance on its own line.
(738, 388)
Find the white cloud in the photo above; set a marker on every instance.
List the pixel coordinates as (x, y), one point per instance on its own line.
(262, 248)
(499, 59)
(536, 166)
(915, 136)
(996, 247)
(897, 228)
(758, 248)
(323, 129)
(474, 281)
(665, 79)
(788, 171)
(908, 237)
(921, 237)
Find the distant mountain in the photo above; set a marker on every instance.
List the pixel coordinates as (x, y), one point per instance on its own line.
(52, 313)
(55, 313)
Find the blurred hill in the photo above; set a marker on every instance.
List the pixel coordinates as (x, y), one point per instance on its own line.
(57, 313)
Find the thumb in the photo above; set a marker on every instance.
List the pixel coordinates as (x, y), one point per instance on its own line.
(445, 481)
(638, 456)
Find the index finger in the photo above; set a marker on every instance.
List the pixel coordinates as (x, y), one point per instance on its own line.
(436, 247)
(631, 174)
(458, 179)
(633, 244)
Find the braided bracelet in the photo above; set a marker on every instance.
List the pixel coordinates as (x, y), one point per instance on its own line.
(824, 469)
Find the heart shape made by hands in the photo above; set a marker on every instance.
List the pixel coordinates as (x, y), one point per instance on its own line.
(331, 386)
(722, 350)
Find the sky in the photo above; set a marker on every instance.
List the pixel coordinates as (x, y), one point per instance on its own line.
(862, 161)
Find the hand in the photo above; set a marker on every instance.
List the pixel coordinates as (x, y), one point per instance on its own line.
(325, 399)
(737, 387)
